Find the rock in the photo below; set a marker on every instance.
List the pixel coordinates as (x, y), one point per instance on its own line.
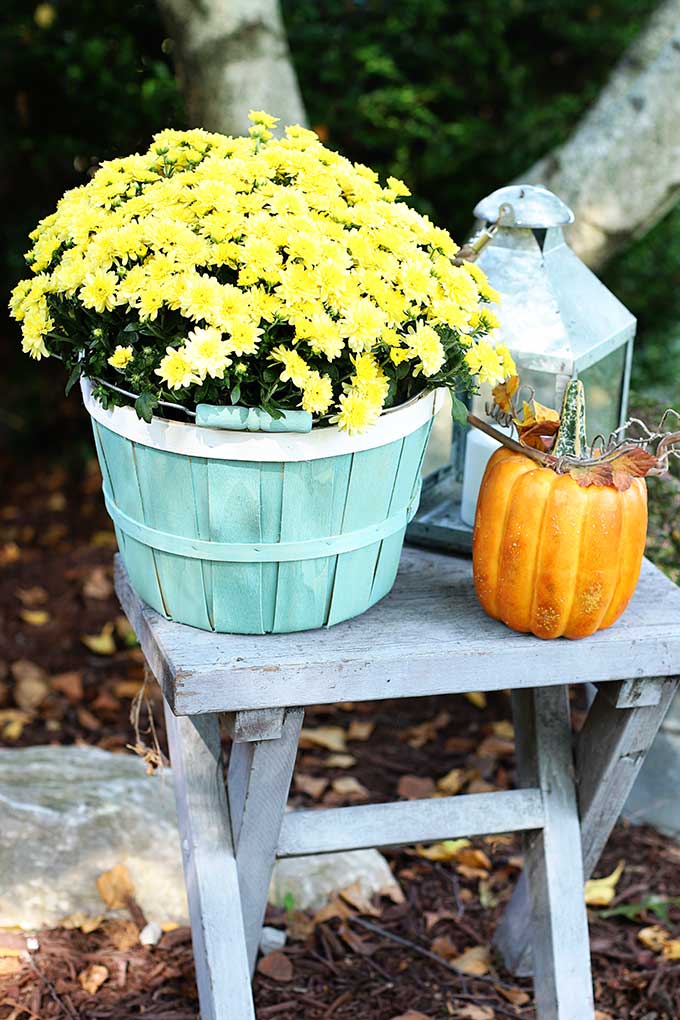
(308, 882)
(271, 940)
(67, 814)
(151, 934)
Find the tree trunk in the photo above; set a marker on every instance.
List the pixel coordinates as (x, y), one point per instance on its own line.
(620, 168)
(231, 57)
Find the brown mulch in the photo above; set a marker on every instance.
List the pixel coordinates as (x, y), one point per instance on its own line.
(381, 961)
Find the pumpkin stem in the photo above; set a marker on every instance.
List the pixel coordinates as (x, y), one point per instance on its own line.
(571, 438)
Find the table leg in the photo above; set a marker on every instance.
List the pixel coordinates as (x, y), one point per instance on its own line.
(610, 750)
(559, 927)
(222, 971)
(259, 778)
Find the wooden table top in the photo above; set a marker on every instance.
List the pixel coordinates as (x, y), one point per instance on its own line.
(428, 636)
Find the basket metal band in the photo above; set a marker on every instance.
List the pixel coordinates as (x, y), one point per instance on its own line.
(258, 552)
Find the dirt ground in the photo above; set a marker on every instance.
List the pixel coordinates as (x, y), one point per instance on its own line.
(69, 670)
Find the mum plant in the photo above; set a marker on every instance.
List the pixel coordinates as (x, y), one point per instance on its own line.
(270, 273)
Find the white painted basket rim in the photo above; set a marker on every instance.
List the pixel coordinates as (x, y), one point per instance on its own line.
(219, 444)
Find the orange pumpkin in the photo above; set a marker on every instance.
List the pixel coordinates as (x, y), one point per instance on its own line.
(551, 557)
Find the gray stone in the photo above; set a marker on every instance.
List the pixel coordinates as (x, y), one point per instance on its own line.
(68, 813)
(271, 940)
(306, 883)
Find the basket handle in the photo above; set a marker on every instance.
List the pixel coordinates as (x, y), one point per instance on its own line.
(251, 419)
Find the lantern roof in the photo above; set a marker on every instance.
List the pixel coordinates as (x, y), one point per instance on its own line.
(527, 205)
(555, 314)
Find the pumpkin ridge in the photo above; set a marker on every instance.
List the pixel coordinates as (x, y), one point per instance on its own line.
(538, 558)
(486, 483)
(582, 527)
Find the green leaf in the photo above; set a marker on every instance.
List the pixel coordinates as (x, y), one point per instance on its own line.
(145, 404)
(132, 327)
(73, 377)
(459, 411)
(235, 393)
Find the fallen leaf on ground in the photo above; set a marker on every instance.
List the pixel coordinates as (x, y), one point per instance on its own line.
(355, 896)
(333, 738)
(495, 747)
(433, 917)
(311, 785)
(653, 937)
(87, 719)
(517, 996)
(31, 597)
(447, 850)
(334, 908)
(93, 978)
(83, 922)
(599, 892)
(348, 786)
(473, 1012)
(473, 858)
(340, 761)
(115, 887)
(69, 684)
(124, 934)
(476, 698)
(127, 688)
(35, 617)
(31, 686)
(97, 584)
(444, 947)
(504, 729)
(12, 722)
(276, 966)
(102, 643)
(475, 961)
(453, 782)
(360, 729)
(361, 945)
(10, 965)
(415, 787)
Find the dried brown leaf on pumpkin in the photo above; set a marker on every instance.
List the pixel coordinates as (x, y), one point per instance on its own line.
(631, 464)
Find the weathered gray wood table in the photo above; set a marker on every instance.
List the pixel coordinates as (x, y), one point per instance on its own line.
(428, 637)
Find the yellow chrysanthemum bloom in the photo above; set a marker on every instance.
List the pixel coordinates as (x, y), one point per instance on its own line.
(176, 369)
(296, 369)
(484, 362)
(98, 291)
(356, 413)
(207, 352)
(317, 394)
(120, 357)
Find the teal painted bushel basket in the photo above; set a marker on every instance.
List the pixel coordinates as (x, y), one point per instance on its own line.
(253, 533)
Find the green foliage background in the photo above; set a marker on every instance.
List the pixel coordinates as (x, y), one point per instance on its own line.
(456, 99)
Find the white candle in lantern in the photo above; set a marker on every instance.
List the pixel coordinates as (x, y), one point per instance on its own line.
(478, 450)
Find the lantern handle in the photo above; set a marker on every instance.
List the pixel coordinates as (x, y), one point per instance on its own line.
(472, 248)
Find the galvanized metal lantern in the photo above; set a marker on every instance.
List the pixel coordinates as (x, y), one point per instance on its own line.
(559, 321)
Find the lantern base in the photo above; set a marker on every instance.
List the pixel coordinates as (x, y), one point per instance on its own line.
(438, 524)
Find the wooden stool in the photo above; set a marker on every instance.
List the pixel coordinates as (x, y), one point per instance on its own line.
(429, 636)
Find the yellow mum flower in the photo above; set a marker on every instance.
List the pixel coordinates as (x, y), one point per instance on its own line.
(98, 291)
(176, 369)
(397, 186)
(356, 413)
(120, 357)
(207, 352)
(260, 117)
(483, 361)
(317, 394)
(296, 369)
(425, 343)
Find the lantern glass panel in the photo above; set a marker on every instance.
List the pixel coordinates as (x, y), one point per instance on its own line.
(603, 383)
